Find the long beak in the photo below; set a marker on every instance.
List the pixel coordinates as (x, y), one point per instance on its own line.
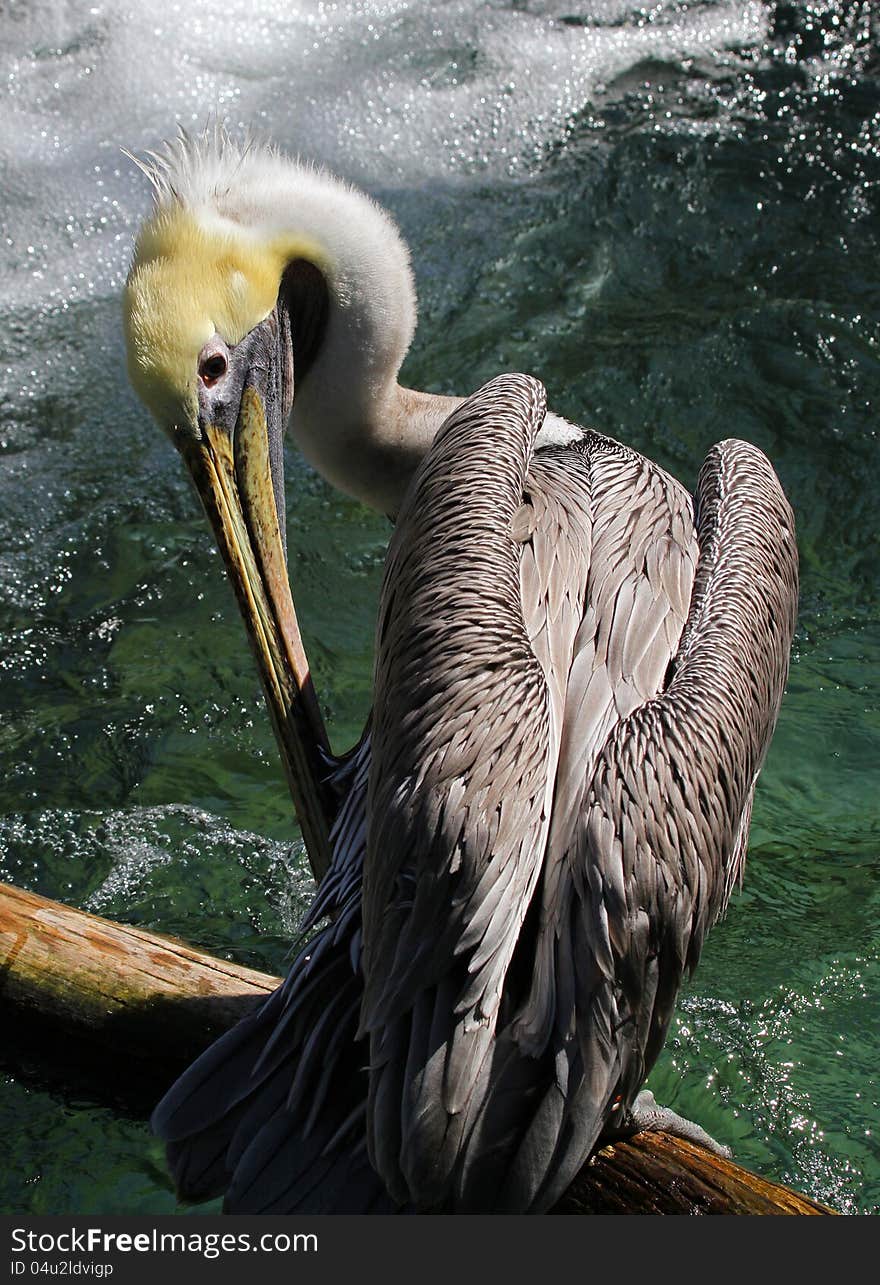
(234, 478)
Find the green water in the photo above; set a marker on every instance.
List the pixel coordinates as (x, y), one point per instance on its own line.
(695, 255)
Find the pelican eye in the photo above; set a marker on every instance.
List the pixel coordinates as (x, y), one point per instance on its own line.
(212, 368)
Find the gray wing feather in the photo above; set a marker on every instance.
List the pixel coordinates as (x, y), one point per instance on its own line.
(663, 816)
(456, 819)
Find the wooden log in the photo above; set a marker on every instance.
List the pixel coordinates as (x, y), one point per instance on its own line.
(131, 1009)
(114, 1012)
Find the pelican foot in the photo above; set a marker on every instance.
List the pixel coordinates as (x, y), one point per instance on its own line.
(647, 1114)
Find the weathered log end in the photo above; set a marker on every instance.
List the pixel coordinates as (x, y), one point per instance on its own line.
(655, 1173)
(130, 1009)
(114, 1013)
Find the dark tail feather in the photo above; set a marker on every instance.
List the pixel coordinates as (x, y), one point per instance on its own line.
(219, 1079)
(243, 1119)
(283, 1172)
(291, 1158)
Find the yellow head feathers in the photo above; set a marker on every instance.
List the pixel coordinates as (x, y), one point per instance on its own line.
(191, 279)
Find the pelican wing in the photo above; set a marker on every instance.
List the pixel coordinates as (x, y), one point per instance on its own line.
(649, 841)
(460, 784)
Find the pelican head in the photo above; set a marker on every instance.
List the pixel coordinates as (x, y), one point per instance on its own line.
(257, 272)
(261, 289)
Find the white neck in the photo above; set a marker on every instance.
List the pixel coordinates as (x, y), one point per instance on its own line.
(369, 451)
(350, 418)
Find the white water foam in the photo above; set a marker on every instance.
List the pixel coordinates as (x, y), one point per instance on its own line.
(388, 93)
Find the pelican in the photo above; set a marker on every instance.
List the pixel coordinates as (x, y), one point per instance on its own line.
(578, 670)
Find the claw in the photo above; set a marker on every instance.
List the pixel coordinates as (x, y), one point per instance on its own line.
(646, 1114)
